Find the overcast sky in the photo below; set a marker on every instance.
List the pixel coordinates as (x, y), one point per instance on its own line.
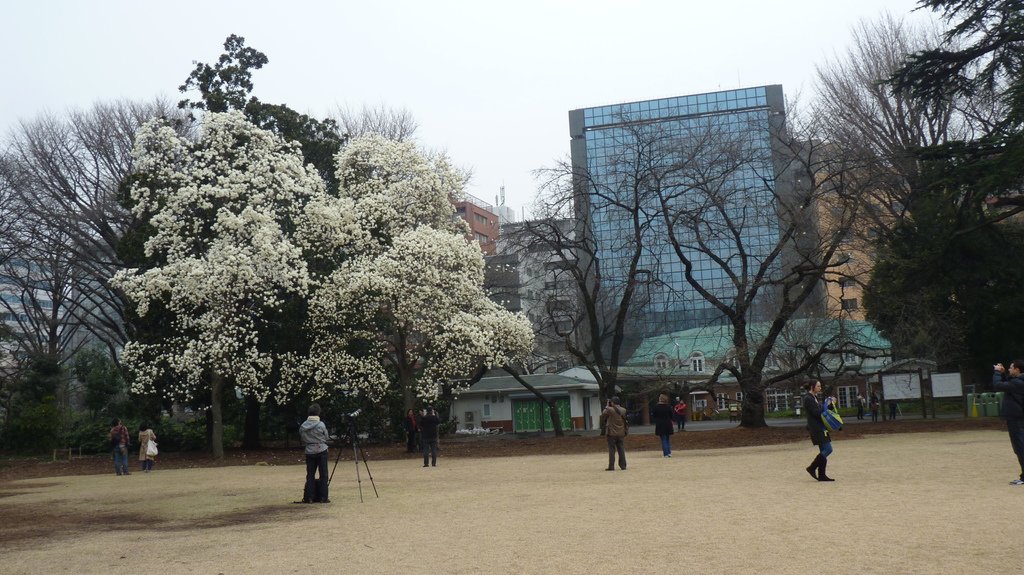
(491, 83)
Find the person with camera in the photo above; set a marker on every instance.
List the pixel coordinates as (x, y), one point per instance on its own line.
(1011, 382)
(119, 442)
(613, 422)
(818, 432)
(680, 411)
(429, 424)
(314, 435)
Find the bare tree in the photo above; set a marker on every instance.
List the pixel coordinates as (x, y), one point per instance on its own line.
(597, 288)
(37, 298)
(394, 124)
(884, 128)
(66, 173)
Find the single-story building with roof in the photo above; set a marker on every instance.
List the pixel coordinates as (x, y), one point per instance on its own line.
(688, 358)
(501, 402)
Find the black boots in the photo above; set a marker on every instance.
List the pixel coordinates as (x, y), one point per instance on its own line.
(817, 469)
(821, 470)
(813, 467)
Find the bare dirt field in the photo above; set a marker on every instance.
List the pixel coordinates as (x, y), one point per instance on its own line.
(937, 501)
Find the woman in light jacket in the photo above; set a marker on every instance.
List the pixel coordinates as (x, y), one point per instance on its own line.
(145, 435)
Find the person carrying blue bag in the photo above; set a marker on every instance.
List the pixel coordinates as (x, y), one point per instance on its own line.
(818, 431)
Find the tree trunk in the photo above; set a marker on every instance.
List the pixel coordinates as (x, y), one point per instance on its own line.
(251, 437)
(752, 410)
(407, 397)
(216, 411)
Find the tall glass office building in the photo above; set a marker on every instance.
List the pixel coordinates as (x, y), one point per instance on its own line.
(699, 168)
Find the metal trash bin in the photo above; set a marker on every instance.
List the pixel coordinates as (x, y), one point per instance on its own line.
(997, 404)
(989, 402)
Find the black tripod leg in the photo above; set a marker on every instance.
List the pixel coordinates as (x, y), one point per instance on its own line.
(336, 460)
(367, 466)
(355, 458)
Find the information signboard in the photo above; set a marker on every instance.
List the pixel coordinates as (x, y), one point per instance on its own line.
(947, 385)
(901, 386)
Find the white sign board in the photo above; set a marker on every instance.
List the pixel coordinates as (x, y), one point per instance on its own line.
(947, 385)
(901, 386)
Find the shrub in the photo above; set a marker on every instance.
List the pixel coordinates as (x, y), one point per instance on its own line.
(35, 428)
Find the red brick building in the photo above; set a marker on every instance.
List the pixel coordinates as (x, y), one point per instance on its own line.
(483, 223)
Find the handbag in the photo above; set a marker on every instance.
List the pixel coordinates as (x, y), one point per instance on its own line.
(151, 449)
(830, 417)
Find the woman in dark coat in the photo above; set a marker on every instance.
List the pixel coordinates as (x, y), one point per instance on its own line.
(663, 424)
(819, 435)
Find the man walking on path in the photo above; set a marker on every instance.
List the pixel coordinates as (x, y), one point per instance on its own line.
(613, 421)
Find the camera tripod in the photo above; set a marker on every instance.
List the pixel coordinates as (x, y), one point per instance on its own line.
(357, 454)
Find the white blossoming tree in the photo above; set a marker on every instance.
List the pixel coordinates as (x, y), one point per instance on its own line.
(406, 312)
(228, 212)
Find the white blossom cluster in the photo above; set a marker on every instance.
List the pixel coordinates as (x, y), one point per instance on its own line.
(425, 294)
(224, 211)
(238, 222)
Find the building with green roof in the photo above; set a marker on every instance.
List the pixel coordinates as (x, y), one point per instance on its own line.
(688, 358)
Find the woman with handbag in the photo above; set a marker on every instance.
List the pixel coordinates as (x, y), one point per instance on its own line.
(819, 434)
(147, 453)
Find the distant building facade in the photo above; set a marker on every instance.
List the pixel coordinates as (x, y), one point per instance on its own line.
(604, 144)
(483, 223)
(525, 276)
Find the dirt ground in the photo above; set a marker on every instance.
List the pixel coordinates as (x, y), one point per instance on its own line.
(910, 497)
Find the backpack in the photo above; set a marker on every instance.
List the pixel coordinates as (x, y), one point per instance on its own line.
(625, 422)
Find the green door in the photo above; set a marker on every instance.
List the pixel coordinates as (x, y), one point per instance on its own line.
(525, 415)
(562, 404)
(533, 415)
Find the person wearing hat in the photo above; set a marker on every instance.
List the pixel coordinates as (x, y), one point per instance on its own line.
(613, 421)
(428, 424)
(314, 435)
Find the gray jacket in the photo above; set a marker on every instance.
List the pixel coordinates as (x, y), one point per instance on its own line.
(314, 435)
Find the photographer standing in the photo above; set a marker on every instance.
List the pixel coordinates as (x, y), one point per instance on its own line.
(1011, 382)
(613, 421)
(428, 435)
(314, 436)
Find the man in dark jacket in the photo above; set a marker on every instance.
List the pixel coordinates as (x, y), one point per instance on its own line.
(314, 436)
(1011, 383)
(429, 423)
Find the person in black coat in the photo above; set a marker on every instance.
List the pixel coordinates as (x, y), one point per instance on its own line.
(411, 429)
(819, 435)
(428, 424)
(663, 424)
(1011, 383)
